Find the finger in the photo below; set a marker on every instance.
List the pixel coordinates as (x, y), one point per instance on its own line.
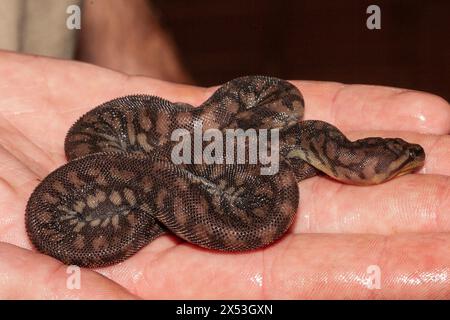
(411, 203)
(35, 84)
(411, 266)
(85, 85)
(28, 275)
(363, 107)
(300, 266)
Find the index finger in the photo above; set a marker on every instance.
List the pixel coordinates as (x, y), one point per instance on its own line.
(369, 107)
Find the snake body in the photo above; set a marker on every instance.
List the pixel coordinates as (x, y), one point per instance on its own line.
(120, 189)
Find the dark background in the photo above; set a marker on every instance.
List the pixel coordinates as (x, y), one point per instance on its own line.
(313, 40)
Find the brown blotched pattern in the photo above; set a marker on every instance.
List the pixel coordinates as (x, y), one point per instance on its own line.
(120, 189)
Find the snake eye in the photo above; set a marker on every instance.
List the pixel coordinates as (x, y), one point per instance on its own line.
(415, 152)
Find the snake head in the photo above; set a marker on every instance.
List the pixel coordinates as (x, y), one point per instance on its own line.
(397, 157)
(413, 158)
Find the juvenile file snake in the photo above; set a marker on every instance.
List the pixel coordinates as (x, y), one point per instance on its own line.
(121, 189)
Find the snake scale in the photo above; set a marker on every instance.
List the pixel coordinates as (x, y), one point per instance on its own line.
(120, 189)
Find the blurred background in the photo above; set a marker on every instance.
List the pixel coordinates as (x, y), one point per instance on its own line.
(315, 40)
(207, 42)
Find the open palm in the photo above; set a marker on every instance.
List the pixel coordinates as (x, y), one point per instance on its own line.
(401, 227)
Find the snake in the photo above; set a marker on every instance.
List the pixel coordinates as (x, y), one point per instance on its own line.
(121, 189)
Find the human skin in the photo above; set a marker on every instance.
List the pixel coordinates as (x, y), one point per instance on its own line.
(126, 36)
(401, 226)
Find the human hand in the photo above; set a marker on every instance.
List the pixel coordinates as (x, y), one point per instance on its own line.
(401, 226)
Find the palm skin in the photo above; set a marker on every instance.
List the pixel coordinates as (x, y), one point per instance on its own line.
(401, 226)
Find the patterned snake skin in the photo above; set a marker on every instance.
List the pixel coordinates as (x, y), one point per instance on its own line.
(120, 189)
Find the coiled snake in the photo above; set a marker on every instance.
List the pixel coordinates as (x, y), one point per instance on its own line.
(120, 189)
